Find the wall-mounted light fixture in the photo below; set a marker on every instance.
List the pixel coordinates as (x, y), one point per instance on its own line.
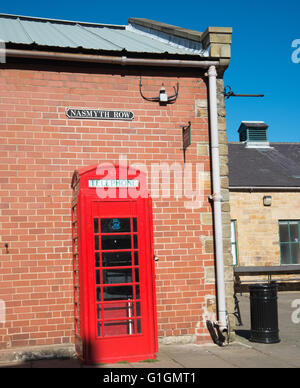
(267, 200)
(163, 97)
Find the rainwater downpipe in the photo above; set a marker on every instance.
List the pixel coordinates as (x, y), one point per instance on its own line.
(217, 198)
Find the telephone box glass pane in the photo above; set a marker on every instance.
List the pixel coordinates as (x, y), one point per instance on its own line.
(98, 311)
(96, 243)
(137, 292)
(138, 309)
(138, 326)
(135, 239)
(118, 310)
(116, 276)
(116, 328)
(96, 225)
(98, 277)
(99, 329)
(134, 221)
(137, 277)
(117, 293)
(97, 259)
(115, 225)
(136, 258)
(116, 259)
(98, 294)
(110, 243)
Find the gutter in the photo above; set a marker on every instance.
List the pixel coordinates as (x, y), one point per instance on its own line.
(222, 325)
(109, 59)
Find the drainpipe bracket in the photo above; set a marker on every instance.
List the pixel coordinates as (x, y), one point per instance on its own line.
(216, 197)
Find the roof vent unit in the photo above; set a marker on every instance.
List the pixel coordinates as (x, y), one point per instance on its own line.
(254, 134)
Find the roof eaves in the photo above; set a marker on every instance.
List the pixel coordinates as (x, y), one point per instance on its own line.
(189, 56)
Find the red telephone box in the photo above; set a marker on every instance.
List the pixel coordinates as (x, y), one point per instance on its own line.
(114, 282)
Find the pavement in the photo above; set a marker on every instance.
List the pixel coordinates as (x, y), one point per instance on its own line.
(240, 354)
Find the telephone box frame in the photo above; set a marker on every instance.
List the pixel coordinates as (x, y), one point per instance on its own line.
(135, 346)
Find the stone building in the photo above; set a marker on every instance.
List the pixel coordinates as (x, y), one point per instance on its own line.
(264, 198)
(75, 95)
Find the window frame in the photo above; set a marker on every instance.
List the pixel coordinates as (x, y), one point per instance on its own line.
(233, 240)
(290, 243)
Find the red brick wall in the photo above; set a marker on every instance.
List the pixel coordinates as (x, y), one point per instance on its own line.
(39, 150)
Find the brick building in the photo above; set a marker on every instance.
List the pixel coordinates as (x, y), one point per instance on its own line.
(264, 199)
(58, 74)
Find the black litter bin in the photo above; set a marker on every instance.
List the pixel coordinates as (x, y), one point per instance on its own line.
(264, 313)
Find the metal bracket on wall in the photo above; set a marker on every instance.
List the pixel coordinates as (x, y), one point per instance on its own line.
(163, 98)
(186, 137)
(229, 93)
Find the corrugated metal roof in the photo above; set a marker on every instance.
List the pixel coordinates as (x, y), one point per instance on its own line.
(58, 33)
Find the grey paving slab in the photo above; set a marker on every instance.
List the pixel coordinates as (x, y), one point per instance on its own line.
(57, 364)
(118, 365)
(163, 361)
(195, 356)
(248, 357)
(241, 354)
(14, 365)
(288, 350)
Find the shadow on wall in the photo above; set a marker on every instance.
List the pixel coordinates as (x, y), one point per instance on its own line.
(40, 358)
(53, 358)
(53, 363)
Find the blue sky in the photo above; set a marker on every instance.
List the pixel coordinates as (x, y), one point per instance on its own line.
(263, 32)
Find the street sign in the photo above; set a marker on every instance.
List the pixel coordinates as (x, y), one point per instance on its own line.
(97, 114)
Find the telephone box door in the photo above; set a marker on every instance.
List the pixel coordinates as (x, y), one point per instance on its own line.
(119, 291)
(121, 312)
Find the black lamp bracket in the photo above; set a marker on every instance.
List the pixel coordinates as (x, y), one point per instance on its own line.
(166, 100)
(229, 93)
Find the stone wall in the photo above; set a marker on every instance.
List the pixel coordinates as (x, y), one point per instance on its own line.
(210, 271)
(226, 205)
(257, 225)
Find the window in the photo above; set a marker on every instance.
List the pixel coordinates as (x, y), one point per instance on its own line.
(289, 232)
(234, 242)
